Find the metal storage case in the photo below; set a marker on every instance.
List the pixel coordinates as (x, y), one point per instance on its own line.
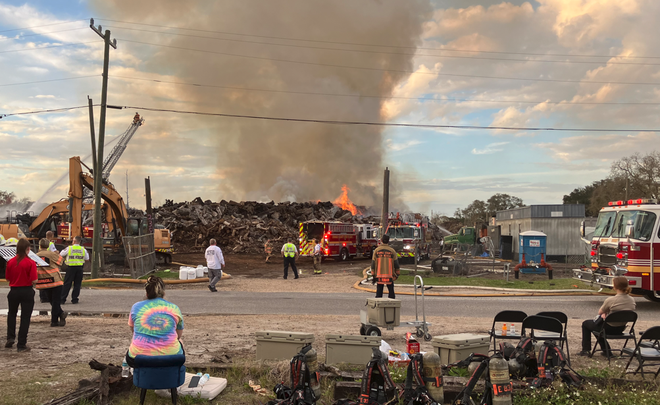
(453, 348)
(385, 312)
(278, 345)
(351, 349)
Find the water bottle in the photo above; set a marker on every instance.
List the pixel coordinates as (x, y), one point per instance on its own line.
(203, 380)
(513, 328)
(125, 371)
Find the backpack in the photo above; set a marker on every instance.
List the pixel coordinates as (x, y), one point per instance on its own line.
(552, 361)
(522, 360)
(415, 373)
(301, 393)
(377, 385)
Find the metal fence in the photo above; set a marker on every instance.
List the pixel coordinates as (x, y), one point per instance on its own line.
(140, 254)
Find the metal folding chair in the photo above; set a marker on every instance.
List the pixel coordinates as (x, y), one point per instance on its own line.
(506, 317)
(646, 350)
(627, 317)
(563, 340)
(551, 329)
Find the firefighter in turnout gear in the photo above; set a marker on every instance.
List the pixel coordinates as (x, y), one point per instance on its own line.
(268, 250)
(385, 268)
(75, 257)
(317, 257)
(289, 253)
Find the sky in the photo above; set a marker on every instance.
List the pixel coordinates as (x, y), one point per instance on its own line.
(521, 64)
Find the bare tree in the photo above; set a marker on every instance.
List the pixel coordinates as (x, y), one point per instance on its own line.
(640, 174)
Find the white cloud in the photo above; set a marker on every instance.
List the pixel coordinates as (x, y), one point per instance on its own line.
(397, 147)
(490, 148)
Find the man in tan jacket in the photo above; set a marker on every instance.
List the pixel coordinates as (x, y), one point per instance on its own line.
(50, 281)
(385, 268)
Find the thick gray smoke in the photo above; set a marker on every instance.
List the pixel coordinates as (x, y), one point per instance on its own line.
(266, 160)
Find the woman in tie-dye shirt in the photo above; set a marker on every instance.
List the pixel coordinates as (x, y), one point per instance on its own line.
(157, 324)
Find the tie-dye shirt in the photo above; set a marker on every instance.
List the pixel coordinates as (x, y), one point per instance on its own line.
(154, 324)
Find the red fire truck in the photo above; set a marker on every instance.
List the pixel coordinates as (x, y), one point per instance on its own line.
(338, 239)
(407, 236)
(626, 242)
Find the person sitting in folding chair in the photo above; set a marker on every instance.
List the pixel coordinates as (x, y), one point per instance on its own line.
(622, 301)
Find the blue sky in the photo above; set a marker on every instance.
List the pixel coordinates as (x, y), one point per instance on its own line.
(439, 170)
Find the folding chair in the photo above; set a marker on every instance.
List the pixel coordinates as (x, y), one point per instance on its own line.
(504, 317)
(646, 351)
(563, 341)
(534, 323)
(627, 317)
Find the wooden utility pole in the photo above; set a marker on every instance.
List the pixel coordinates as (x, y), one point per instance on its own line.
(386, 201)
(147, 192)
(97, 246)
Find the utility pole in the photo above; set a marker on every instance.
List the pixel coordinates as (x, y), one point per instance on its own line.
(386, 201)
(91, 130)
(97, 246)
(147, 192)
(126, 189)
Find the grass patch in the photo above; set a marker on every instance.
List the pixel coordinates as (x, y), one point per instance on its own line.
(556, 284)
(560, 395)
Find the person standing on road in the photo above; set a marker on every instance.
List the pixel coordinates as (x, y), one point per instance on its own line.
(50, 237)
(622, 301)
(317, 257)
(289, 253)
(21, 273)
(76, 256)
(385, 268)
(50, 282)
(215, 262)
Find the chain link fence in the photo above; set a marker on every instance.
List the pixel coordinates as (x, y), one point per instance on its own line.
(140, 254)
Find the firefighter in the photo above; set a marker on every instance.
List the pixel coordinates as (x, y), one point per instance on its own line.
(317, 257)
(76, 256)
(268, 250)
(136, 118)
(289, 253)
(43, 297)
(385, 268)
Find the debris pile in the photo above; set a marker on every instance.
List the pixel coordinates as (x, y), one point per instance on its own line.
(244, 227)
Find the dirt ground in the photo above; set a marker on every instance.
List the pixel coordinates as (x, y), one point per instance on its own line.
(59, 356)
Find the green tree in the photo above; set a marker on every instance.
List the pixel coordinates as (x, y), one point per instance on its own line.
(501, 202)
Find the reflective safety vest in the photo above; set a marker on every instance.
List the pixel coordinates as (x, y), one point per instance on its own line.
(75, 256)
(51, 247)
(384, 257)
(289, 250)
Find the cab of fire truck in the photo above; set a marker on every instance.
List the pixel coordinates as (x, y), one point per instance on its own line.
(408, 237)
(626, 242)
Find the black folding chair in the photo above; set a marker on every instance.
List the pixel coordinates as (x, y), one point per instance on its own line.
(646, 350)
(506, 317)
(534, 323)
(627, 317)
(563, 340)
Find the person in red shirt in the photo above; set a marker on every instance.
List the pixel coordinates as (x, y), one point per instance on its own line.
(21, 273)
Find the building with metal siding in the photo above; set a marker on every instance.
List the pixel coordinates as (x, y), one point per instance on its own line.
(561, 222)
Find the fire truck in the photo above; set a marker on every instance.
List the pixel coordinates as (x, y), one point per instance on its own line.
(626, 242)
(406, 236)
(338, 239)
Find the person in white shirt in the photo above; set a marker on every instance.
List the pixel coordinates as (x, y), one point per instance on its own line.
(76, 256)
(317, 257)
(215, 262)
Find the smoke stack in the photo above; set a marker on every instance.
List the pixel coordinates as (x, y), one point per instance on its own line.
(386, 199)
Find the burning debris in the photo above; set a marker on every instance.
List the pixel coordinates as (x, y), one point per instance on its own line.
(345, 203)
(244, 227)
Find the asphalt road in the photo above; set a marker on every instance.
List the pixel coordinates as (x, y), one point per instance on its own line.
(199, 302)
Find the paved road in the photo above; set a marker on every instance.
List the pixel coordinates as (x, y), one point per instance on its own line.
(198, 302)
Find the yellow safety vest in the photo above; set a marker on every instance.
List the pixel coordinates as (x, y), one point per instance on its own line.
(75, 256)
(289, 250)
(50, 246)
(384, 257)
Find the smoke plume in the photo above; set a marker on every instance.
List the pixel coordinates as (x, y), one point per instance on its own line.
(266, 160)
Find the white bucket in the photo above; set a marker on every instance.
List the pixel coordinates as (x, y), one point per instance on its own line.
(206, 270)
(183, 273)
(199, 271)
(192, 273)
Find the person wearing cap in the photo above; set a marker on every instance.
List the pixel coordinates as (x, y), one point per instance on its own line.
(385, 268)
(76, 256)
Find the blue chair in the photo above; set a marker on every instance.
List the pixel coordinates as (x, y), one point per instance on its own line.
(159, 373)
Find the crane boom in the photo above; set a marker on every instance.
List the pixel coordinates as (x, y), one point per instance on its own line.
(112, 158)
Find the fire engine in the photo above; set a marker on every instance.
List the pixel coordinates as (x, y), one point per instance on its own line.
(405, 237)
(626, 242)
(338, 239)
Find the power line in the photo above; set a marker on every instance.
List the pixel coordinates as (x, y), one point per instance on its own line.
(43, 33)
(379, 45)
(52, 110)
(43, 25)
(392, 70)
(394, 53)
(49, 46)
(379, 97)
(50, 80)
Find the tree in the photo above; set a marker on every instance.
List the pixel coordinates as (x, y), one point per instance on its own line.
(477, 211)
(501, 202)
(640, 173)
(6, 197)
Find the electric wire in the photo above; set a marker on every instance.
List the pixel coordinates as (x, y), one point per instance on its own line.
(49, 80)
(379, 45)
(391, 70)
(43, 33)
(395, 53)
(52, 110)
(49, 46)
(43, 25)
(382, 97)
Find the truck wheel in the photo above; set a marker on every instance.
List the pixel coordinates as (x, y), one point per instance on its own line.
(343, 255)
(372, 331)
(651, 297)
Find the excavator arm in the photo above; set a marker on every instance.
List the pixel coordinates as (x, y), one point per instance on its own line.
(61, 207)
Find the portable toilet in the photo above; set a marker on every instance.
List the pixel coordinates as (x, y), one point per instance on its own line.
(532, 247)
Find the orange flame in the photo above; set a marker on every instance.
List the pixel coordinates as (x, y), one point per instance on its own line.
(345, 203)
